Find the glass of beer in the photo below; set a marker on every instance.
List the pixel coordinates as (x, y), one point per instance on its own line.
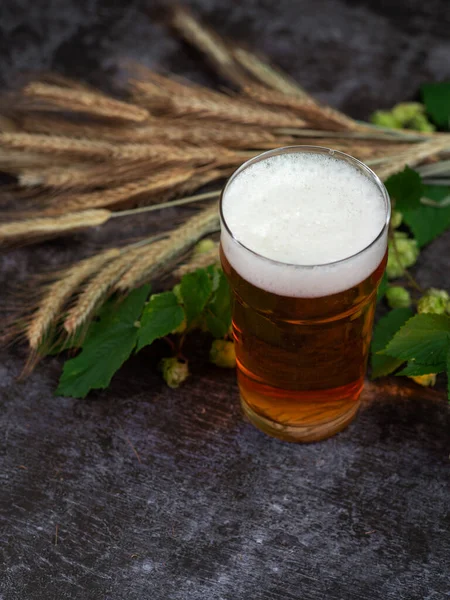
(304, 247)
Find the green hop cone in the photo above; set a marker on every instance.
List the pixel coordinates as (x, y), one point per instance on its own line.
(401, 256)
(434, 301)
(222, 354)
(412, 115)
(425, 380)
(204, 246)
(396, 219)
(174, 371)
(384, 118)
(406, 111)
(398, 297)
(421, 123)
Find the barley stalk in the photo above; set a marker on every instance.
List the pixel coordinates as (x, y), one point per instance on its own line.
(162, 255)
(83, 100)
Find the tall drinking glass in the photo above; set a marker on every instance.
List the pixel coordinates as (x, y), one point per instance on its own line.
(304, 247)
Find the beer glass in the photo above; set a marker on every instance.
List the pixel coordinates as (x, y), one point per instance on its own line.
(304, 247)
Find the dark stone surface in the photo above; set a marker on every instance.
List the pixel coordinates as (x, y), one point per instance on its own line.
(210, 509)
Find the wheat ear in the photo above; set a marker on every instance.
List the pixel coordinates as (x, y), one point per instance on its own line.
(28, 230)
(82, 100)
(412, 157)
(54, 144)
(159, 182)
(56, 295)
(157, 259)
(197, 261)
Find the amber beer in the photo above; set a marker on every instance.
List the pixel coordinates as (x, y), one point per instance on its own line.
(303, 244)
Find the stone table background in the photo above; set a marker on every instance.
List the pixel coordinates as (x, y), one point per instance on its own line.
(214, 510)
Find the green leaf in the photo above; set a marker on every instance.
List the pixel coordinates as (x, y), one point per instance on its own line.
(405, 188)
(425, 338)
(382, 334)
(216, 326)
(382, 288)
(161, 316)
(413, 369)
(218, 310)
(215, 273)
(108, 344)
(428, 222)
(436, 97)
(448, 372)
(196, 289)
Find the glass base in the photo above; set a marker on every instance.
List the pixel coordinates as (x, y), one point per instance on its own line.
(300, 433)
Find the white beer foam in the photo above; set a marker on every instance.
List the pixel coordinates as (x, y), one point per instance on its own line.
(305, 211)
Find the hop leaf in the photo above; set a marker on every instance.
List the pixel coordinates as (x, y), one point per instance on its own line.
(398, 297)
(437, 101)
(108, 344)
(383, 333)
(434, 301)
(174, 371)
(222, 354)
(403, 253)
(161, 316)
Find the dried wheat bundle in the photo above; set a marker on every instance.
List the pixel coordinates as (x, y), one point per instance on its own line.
(81, 158)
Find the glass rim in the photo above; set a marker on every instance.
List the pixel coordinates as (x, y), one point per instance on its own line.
(318, 150)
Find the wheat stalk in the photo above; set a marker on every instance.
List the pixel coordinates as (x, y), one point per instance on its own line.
(49, 144)
(28, 230)
(413, 156)
(110, 198)
(197, 261)
(268, 75)
(57, 124)
(199, 103)
(97, 290)
(166, 154)
(165, 253)
(315, 115)
(83, 176)
(210, 43)
(236, 64)
(83, 100)
(58, 293)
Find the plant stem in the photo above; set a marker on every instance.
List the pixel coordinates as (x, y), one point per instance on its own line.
(180, 202)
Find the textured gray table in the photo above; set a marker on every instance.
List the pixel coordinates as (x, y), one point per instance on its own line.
(214, 510)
